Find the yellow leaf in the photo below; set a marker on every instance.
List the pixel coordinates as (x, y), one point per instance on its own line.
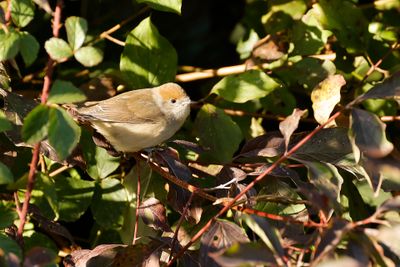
(325, 96)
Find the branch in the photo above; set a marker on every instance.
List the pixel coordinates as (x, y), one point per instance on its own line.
(36, 148)
(251, 185)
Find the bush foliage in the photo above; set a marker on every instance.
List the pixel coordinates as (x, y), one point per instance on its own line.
(289, 157)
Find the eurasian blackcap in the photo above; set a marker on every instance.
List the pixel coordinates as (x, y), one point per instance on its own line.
(140, 118)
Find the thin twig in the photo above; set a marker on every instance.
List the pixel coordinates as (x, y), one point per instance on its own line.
(201, 193)
(135, 231)
(178, 226)
(251, 185)
(114, 40)
(36, 148)
(59, 170)
(210, 73)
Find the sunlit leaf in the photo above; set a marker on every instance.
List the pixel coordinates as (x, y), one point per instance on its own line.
(347, 22)
(63, 132)
(152, 212)
(65, 92)
(164, 5)
(89, 56)
(368, 133)
(22, 12)
(9, 44)
(308, 35)
(290, 124)
(325, 96)
(212, 126)
(148, 58)
(58, 49)
(76, 28)
(253, 84)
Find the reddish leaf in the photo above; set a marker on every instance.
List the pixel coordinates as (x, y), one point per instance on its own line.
(290, 124)
(153, 214)
(221, 235)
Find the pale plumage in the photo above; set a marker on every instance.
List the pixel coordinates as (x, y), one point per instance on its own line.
(140, 118)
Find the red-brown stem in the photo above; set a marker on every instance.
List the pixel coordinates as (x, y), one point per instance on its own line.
(29, 188)
(7, 16)
(251, 185)
(36, 148)
(137, 204)
(178, 226)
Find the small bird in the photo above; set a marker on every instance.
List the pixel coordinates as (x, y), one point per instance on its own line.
(140, 118)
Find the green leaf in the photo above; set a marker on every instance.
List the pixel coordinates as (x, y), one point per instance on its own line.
(307, 72)
(28, 47)
(109, 203)
(218, 133)
(46, 184)
(148, 58)
(308, 35)
(245, 254)
(63, 133)
(326, 178)
(268, 234)
(89, 56)
(58, 49)
(250, 85)
(346, 20)
(36, 124)
(8, 215)
(22, 12)
(325, 96)
(8, 246)
(9, 44)
(164, 5)
(99, 163)
(74, 196)
(6, 175)
(65, 92)
(329, 145)
(282, 13)
(76, 28)
(5, 124)
(278, 189)
(368, 133)
(388, 89)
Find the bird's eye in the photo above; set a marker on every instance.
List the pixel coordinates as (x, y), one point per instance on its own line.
(173, 100)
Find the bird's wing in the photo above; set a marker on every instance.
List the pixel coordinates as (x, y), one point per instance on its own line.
(130, 107)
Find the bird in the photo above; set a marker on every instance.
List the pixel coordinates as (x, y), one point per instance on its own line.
(138, 119)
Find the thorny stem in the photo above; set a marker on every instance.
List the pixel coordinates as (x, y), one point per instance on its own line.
(251, 185)
(36, 148)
